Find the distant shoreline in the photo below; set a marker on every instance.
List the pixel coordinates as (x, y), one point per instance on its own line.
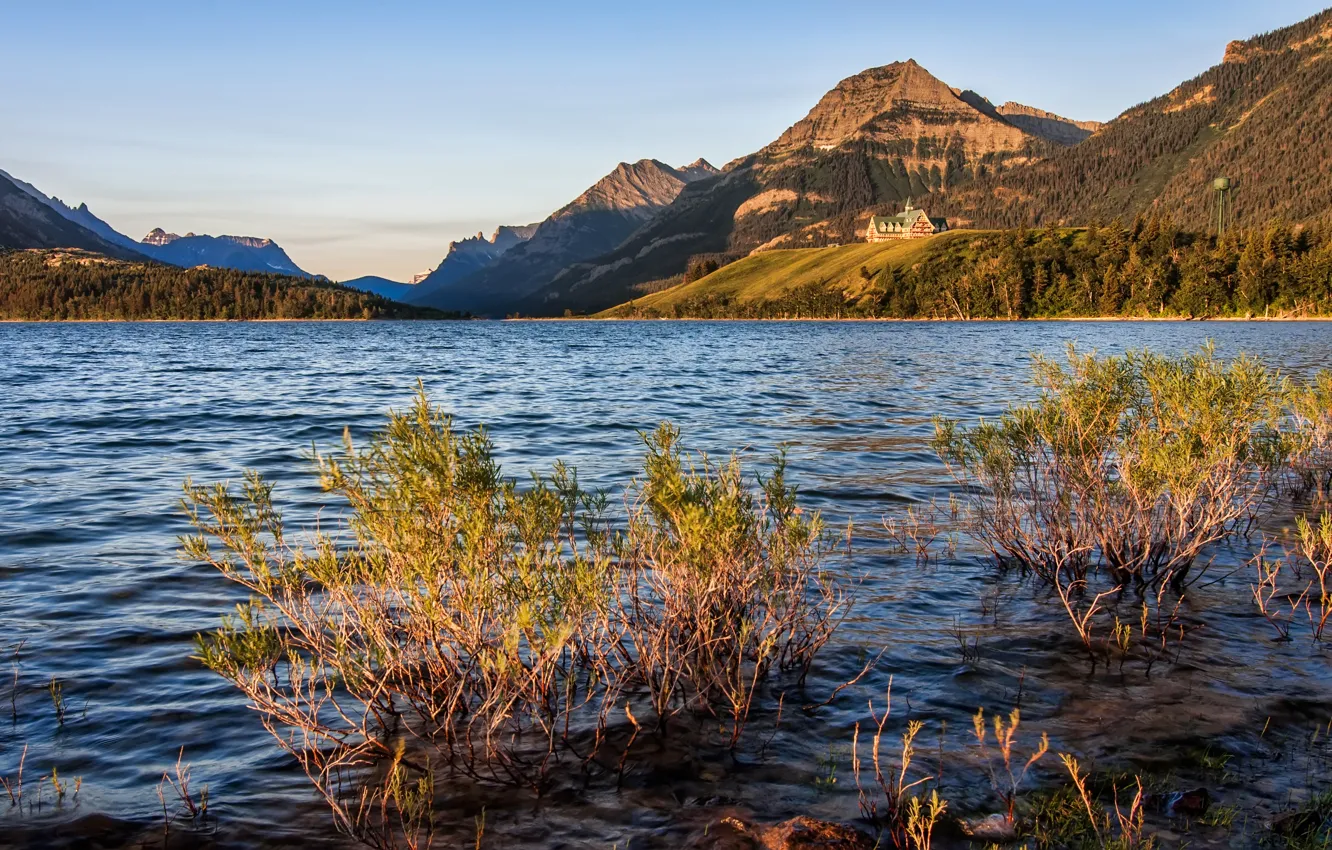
(557, 319)
(891, 320)
(198, 321)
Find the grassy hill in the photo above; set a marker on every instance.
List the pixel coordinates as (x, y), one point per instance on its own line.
(771, 276)
(1148, 269)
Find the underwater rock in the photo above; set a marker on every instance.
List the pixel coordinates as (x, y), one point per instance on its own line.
(995, 827)
(1189, 804)
(800, 833)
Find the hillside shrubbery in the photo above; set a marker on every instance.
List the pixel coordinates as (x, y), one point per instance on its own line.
(461, 624)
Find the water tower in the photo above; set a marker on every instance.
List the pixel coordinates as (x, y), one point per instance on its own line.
(1221, 186)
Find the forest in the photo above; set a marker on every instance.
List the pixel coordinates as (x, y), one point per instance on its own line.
(1149, 269)
(81, 286)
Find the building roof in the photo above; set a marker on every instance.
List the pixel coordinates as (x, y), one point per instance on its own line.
(905, 219)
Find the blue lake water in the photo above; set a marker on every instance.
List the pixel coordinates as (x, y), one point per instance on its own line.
(100, 424)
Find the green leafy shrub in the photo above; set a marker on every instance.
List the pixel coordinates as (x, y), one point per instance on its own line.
(1124, 467)
(1311, 408)
(457, 621)
(723, 584)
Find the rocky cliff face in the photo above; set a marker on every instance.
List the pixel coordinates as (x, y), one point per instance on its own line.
(1047, 125)
(593, 223)
(466, 257)
(638, 190)
(244, 253)
(901, 102)
(159, 237)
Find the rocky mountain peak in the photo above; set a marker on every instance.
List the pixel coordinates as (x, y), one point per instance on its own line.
(1236, 51)
(158, 236)
(699, 169)
(898, 102)
(244, 241)
(639, 189)
(505, 237)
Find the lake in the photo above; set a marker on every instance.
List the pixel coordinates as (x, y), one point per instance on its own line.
(101, 423)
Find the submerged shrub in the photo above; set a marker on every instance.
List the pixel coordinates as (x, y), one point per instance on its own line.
(1126, 466)
(1311, 409)
(723, 585)
(1298, 586)
(457, 621)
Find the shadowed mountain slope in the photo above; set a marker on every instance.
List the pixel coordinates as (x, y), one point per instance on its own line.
(593, 223)
(468, 256)
(29, 219)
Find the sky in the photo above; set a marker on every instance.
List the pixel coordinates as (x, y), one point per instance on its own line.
(364, 137)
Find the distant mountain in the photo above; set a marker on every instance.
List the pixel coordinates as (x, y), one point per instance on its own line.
(593, 223)
(30, 219)
(468, 256)
(1261, 118)
(874, 141)
(243, 253)
(391, 289)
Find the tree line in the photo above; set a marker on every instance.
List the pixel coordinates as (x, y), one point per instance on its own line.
(1148, 269)
(65, 285)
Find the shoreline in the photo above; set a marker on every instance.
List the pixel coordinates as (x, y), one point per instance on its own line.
(558, 319)
(885, 319)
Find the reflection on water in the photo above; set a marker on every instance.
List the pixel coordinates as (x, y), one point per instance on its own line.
(99, 425)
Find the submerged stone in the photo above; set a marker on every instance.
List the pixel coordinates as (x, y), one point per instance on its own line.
(995, 827)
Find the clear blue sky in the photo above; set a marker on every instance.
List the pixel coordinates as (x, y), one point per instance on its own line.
(364, 137)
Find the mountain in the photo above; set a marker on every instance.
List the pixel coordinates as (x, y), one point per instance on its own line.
(390, 289)
(469, 256)
(874, 141)
(30, 219)
(1260, 117)
(1047, 125)
(243, 253)
(595, 222)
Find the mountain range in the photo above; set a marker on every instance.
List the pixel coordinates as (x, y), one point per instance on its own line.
(876, 140)
(1260, 117)
(31, 219)
(593, 223)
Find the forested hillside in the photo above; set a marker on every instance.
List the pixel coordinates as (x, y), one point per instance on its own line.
(1263, 117)
(76, 285)
(1149, 269)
